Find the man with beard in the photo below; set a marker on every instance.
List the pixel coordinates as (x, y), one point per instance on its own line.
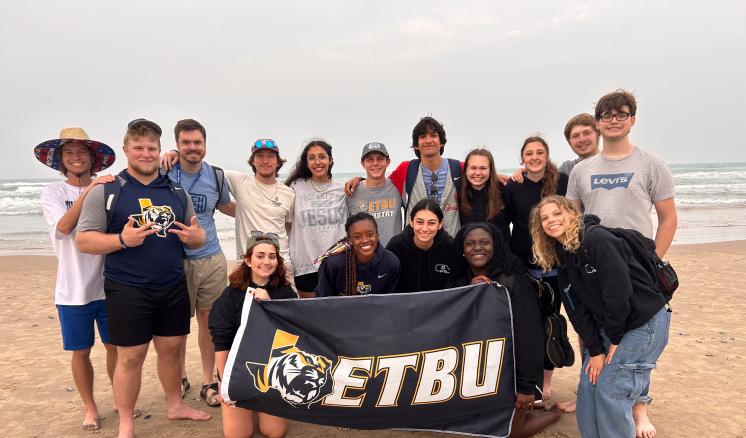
(205, 267)
(79, 288)
(138, 222)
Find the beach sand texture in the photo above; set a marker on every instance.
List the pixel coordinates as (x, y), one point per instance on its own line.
(697, 390)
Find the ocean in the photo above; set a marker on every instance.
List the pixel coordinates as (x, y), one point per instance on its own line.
(710, 200)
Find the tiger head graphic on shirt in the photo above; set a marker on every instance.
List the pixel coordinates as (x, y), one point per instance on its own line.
(162, 216)
(299, 377)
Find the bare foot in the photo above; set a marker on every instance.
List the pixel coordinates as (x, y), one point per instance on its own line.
(184, 412)
(643, 427)
(126, 430)
(567, 407)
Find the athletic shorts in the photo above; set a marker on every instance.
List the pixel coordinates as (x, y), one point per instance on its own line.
(206, 280)
(77, 324)
(307, 282)
(136, 314)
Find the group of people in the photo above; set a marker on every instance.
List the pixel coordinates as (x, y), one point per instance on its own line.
(442, 222)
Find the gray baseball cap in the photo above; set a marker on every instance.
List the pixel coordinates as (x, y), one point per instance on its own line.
(374, 147)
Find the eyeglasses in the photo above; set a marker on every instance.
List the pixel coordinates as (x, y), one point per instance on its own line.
(267, 143)
(607, 117)
(434, 187)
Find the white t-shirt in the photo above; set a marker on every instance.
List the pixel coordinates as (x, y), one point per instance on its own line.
(318, 222)
(260, 207)
(80, 277)
(621, 191)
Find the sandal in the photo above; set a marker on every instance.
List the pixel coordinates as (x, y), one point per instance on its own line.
(210, 394)
(185, 386)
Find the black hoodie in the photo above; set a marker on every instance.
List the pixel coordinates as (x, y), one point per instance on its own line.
(605, 287)
(423, 269)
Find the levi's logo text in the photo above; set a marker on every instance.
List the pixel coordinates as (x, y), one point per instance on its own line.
(467, 371)
(162, 216)
(610, 181)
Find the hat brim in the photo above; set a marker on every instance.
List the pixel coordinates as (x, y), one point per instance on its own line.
(45, 153)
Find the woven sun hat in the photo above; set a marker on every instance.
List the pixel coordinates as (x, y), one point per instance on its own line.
(47, 155)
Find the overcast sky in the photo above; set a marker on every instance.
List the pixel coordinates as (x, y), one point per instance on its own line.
(494, 72)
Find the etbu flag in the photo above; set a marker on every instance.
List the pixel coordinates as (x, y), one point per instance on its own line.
(439, 361)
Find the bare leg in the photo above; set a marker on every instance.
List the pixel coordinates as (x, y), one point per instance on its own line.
(206, 347)
(237, 422)
(304, 294)
(83, 376)
(271, 426)
(643, 426)
(547, 389)
(527, 423)
(127, 378)
(111, 360)
(169, 372)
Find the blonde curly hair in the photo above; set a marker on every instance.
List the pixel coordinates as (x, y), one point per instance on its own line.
(542, 245)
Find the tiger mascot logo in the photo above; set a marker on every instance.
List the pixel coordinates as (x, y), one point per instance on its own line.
(300, 377)
(162, 216)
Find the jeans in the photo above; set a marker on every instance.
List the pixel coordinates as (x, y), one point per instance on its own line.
(605, 410)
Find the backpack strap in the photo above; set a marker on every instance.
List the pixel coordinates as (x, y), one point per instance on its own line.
(220, 181)
(111, 196)
(412, 169)
(455, 167)
(181, 194)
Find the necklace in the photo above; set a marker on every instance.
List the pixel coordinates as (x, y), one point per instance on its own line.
(273, 199)
(320, 189)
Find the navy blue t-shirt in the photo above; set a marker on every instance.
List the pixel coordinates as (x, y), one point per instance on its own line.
(159, 261)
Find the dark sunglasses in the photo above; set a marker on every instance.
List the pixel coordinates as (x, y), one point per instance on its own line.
(266, 143)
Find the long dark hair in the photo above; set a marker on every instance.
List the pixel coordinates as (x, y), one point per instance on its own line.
(551, 173)
(502, 259)
(301, 169)
(492, 187)
(241, 276)
(429, 205)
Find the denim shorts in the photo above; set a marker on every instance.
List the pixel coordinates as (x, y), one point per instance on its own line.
(77, 324)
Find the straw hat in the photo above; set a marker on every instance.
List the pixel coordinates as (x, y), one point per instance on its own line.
(45, 152)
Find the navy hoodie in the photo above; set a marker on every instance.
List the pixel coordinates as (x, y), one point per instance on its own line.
(604, 286)
(379, 276)
(426, 269)
(159, 262)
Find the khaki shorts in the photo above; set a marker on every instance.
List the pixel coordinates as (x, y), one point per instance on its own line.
(206, 280)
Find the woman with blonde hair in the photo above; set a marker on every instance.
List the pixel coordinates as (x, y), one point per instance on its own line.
(614, 304)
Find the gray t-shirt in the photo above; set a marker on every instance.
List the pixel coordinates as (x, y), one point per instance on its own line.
(567, 166)
(384, 204)
(622, 191)
(319, 216)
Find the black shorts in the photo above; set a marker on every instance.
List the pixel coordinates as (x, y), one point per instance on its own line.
(307, 282)
(136, 314)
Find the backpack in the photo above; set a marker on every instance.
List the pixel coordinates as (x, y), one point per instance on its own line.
(557, 347)
(111, 197)
(643, 250)
(220, 180)
(414, 167)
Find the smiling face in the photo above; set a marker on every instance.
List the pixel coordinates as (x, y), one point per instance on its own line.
(364, 239)
(428, 144)
(318, 162)
(425, 225)
(534, 157)
(375, 164)
(584, 141)
(265, 162)
(143, 155)
(478, 249)
(616, 129)
(75, 159)
(263, 262)
(191, 146)
(477, 171)
(555, 221)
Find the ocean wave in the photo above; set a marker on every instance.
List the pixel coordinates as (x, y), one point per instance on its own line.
(20, 206)
(25, 183)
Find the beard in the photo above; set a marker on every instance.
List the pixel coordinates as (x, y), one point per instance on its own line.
(145, 170)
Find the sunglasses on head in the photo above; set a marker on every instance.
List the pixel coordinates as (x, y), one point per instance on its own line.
(261, 235)
(264, 143)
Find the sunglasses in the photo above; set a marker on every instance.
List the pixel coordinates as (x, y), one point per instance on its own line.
(266, 143)
(261, 235)
(434, 187)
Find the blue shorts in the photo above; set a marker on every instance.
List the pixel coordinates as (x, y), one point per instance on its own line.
(77, 324)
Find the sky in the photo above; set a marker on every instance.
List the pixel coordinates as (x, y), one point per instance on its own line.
(493, 72)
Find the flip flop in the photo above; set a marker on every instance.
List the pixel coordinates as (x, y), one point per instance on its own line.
(185, 386)
(96, 425)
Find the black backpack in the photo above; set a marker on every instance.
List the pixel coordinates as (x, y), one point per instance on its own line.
(643, 250)
(413, 169)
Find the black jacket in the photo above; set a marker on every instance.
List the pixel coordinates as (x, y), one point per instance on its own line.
(520, 198)
(528, 331)
(608, 288)
(379, 276)
(478, 204)
(424, 269)
(225, 316)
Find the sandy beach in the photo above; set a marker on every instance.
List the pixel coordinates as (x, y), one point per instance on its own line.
(696, 389)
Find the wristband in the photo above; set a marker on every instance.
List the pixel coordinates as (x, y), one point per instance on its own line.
(175, 150)
(121, 241)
